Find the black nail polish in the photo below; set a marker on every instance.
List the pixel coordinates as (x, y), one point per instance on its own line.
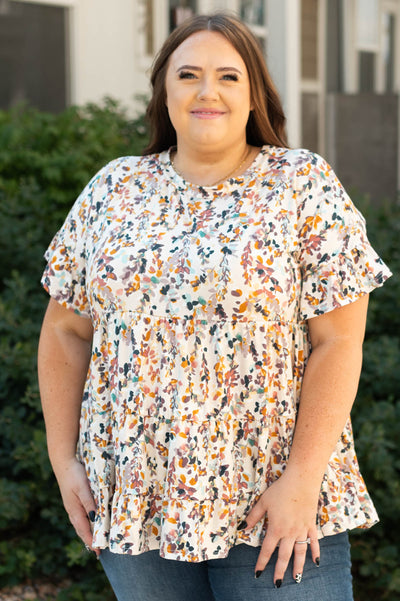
(242, 525)
(278, 583)
(298, 578)
(317, 562)
(92, 516)
(258, 573)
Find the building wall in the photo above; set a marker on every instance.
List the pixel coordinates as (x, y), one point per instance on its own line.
(364, 142)
(313, 48)
(102, 50)
(283, 59)
(109, 48)
(363, 86)
(108, 51)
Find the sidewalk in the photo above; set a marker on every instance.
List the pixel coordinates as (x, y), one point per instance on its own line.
(42, 591)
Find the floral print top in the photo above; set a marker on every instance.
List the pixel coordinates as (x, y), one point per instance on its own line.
(200, 297)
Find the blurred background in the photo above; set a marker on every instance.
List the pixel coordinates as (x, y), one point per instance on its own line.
(336, 64)
(73, 88)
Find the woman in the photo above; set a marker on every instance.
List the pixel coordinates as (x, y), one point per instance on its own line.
(189, 287)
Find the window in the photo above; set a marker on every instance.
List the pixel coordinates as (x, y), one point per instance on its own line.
(32, 55)
(252, 12)
(180, 10)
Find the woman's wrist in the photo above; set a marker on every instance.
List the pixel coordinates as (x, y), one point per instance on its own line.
(62, 462)
(301, 478)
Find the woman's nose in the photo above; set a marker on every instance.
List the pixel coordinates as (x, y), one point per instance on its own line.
(208, 89)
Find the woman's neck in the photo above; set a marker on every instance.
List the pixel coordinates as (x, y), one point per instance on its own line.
(211, 168)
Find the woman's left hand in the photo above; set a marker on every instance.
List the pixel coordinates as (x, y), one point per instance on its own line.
(291, 509)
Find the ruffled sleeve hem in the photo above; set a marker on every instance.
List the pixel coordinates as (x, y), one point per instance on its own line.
(345, 279)
(63, 282)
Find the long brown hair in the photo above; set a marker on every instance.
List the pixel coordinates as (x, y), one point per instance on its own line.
(266, 123)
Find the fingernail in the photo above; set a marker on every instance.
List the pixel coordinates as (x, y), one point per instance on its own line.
(298, 578)
(92, 516)
(278, 583)
(317, 562)
(242, 525)
(258, 574)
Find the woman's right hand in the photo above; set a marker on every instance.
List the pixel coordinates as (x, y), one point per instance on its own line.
(77, 498)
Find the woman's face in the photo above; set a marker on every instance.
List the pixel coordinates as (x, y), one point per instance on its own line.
(208, 93)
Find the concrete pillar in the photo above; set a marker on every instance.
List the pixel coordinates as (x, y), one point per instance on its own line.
(102, 52)
(283, 58)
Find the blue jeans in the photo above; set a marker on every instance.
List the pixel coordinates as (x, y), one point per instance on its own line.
(148, 577)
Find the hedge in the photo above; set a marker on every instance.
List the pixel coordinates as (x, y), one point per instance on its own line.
(45, 161)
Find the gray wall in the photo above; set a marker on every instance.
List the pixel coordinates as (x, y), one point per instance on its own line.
(362, 142)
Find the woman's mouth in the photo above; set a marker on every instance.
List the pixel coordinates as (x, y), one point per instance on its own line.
(204, 114)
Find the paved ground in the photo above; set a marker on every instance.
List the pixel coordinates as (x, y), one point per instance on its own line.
(31, 592)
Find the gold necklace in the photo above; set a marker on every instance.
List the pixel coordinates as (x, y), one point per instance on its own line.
(237, 168)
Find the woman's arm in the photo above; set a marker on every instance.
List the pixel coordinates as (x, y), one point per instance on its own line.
(63, 359)
(328, 391)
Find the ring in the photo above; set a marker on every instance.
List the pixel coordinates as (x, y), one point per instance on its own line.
(303, 542)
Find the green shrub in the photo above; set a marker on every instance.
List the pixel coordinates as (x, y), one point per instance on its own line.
(376, 416)
(45, 161)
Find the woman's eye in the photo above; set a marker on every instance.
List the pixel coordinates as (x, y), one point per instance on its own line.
(186, 75)
(231, 77)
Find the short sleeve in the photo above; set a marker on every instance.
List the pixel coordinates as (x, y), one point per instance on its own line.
(64, 277)
(338, 264)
